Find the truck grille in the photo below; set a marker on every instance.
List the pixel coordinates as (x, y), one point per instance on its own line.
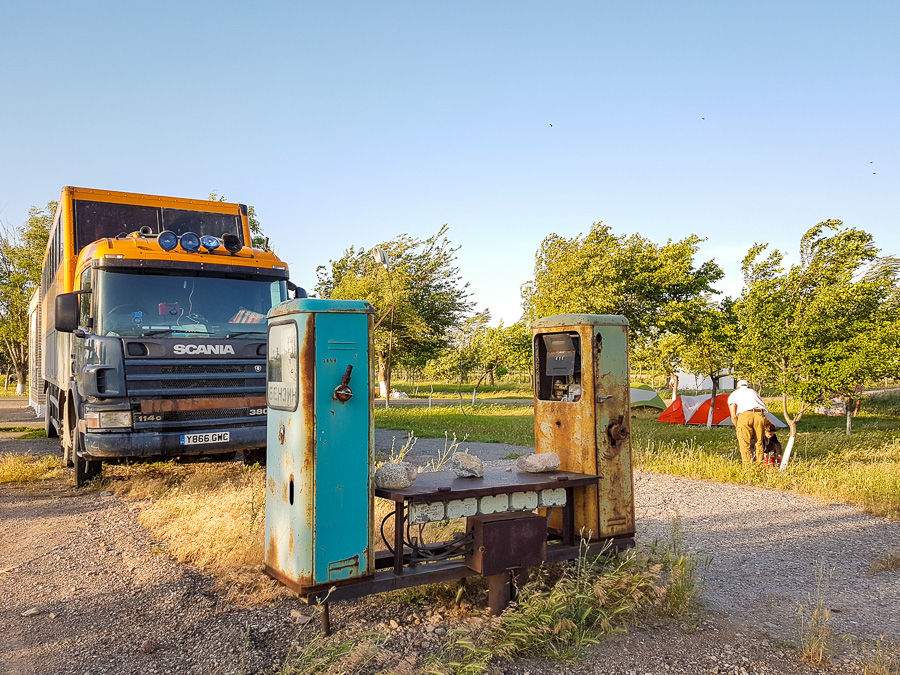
(160, 377)
(156, 379)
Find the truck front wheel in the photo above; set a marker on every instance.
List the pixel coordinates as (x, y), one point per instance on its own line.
(86, 470)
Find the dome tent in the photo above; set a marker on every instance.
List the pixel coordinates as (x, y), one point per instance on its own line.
(695, 410)
(643, 395)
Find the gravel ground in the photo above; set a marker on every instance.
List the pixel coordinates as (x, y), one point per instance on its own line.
(85, 589)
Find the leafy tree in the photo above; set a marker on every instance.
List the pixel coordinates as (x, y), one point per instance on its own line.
(506, 347)
(601, 273)
(418, 297)
(709, 332)
(660, 352)
(462, 354)
(21, 257)
(815, 329)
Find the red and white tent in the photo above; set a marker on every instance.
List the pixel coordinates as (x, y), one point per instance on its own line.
(695, 410)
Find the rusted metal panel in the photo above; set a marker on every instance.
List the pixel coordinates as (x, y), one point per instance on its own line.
(290, 461)
(575, 426)
(506, 540)
(613, 431)
(174, 405)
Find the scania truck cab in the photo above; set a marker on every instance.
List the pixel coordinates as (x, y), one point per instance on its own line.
(154, 329)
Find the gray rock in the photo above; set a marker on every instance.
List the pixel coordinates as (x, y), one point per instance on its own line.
(395, 475)
(538, 463)
(466, 465)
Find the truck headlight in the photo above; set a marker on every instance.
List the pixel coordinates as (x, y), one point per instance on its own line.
(113, 419)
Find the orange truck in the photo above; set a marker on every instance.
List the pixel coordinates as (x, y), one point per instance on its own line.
(152, 332)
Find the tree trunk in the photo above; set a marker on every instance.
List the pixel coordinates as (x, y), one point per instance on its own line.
(849, 413)
(22, 377)
(673, 382)
(712, 402)
(478, 384)
(792, 424)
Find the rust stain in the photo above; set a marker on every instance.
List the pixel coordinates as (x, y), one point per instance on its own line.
(306, 445)
(567, 428)
(272, 556)
(174, 405)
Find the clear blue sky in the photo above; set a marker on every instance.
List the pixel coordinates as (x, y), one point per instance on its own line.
(347, 123)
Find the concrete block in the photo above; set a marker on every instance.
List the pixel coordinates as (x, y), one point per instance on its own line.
(523, 501)
(426, 513)
(493, 504)
(462, 508)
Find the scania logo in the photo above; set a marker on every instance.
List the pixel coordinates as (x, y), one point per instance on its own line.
(203, 349)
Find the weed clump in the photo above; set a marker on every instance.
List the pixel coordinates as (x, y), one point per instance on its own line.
(561, 609)
(889, 562)
(815, 630)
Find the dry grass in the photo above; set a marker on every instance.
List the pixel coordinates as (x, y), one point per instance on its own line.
(815, 630)
(27, 468)
(883, 659)
(889, 562)
(209, 515)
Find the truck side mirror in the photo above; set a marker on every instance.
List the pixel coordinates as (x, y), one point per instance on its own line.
(67, 312)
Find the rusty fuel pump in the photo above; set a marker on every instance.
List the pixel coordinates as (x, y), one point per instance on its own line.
(582, 412)
(319, 491)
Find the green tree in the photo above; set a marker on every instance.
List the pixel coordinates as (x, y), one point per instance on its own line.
(21, 258)
(709, 332)
(418, 297)
(660, 352)
(814, 329)
(601, 273)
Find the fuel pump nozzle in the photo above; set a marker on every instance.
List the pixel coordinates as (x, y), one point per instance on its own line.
(342, 392)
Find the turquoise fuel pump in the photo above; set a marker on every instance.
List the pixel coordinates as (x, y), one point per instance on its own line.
(319, 493)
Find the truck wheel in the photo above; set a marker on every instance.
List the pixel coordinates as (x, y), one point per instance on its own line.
(49, 427)
(255, 456)
(86, 470)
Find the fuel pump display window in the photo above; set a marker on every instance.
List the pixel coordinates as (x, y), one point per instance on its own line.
(282, 367)
(558, 367)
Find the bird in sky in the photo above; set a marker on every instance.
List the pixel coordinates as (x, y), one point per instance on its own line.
(551, 125)
(703, 119)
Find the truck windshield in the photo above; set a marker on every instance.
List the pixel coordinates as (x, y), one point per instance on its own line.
(139, 303)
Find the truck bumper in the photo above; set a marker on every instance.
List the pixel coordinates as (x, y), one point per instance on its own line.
(112, 445)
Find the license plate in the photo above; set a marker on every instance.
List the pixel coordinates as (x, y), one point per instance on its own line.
(212, 437)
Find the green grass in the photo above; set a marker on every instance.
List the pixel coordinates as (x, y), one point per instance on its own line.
(33, 433)
(9, 390)
(500, 390)
(490, 423)
(862, 469)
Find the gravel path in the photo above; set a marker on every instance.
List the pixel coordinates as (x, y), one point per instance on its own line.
(766, 548)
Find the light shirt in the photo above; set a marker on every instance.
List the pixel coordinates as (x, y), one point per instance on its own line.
(745, 399)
